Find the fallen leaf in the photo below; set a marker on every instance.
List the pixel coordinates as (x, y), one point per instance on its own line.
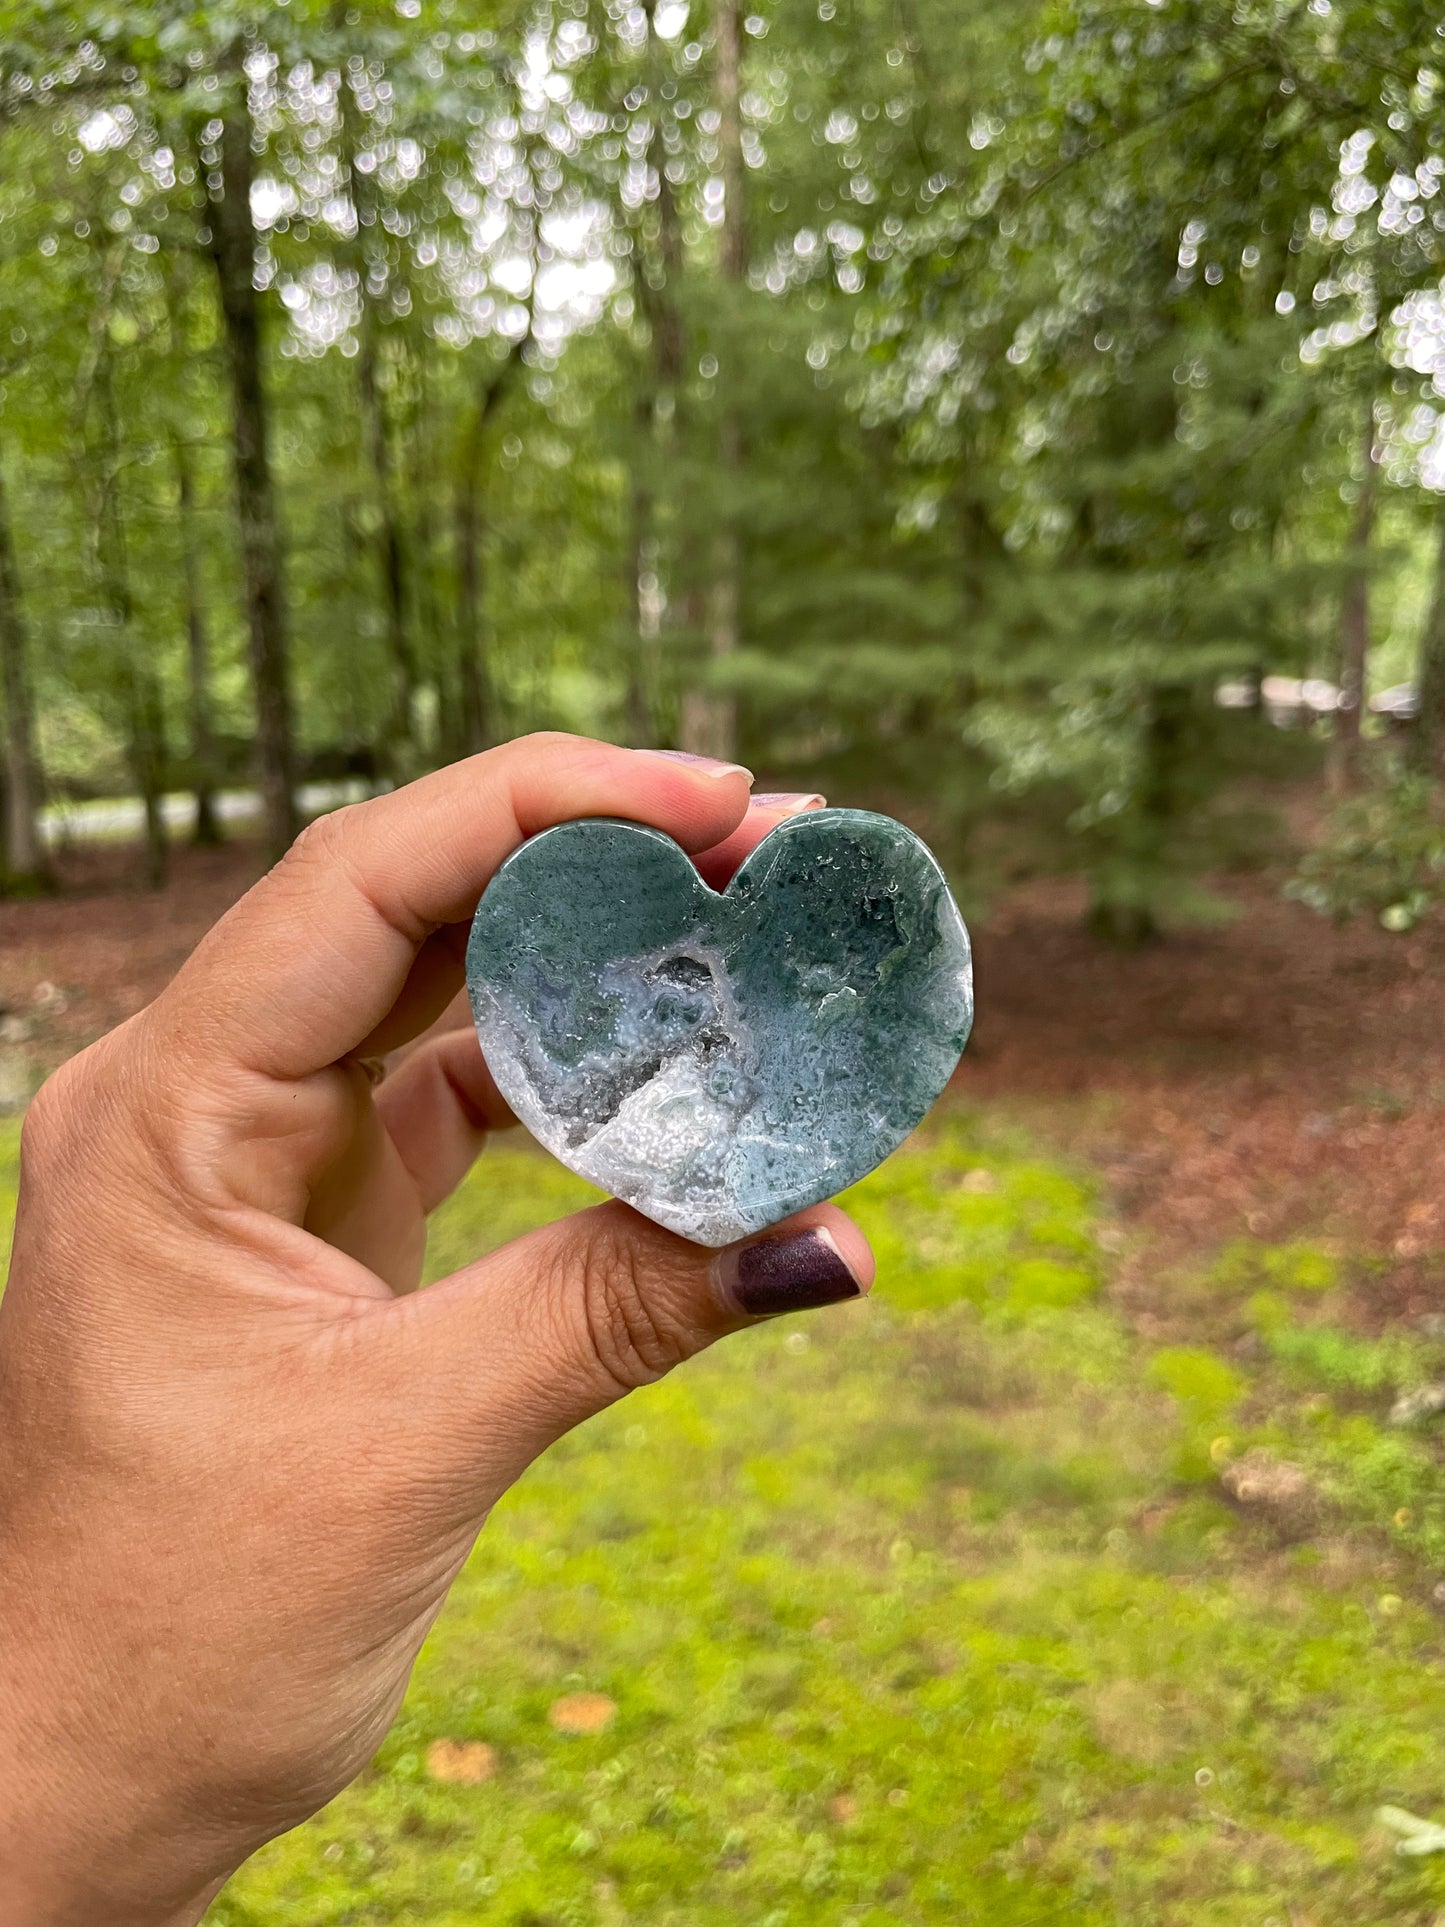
(461, 1762)
(581, 1712)
(1426, 1401)
(1276, 1485)
(1416, 1836)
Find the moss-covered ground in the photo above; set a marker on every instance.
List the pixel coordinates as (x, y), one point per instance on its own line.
(941, 1609)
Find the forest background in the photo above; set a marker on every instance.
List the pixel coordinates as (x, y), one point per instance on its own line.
(937, 402)
(999, 414)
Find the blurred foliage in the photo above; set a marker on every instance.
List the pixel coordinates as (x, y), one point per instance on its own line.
(952, 394)
(1247, 1265)
(1382, 854)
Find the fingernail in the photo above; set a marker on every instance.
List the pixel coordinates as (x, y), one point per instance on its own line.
(787, 802)
(785, 1271)
(704, 765)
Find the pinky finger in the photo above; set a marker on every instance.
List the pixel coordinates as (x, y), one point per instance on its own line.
(437, 1107)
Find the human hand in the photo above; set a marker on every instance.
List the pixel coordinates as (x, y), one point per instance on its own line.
(240, 1464)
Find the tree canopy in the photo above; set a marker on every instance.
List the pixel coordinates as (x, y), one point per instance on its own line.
(933, 395)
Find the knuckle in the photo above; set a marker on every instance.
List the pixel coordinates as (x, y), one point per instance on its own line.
(541, 741)
(321, 841)
(628, 1334)
(47, 1117)
(550, 754)
(40, 1127)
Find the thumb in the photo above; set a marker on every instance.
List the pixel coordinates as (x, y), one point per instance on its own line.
(499, 1360)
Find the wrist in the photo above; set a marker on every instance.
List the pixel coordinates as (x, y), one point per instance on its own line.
(80, 1842)
(68, 1864)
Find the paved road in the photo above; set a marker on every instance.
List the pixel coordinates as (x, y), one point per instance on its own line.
(124, 816)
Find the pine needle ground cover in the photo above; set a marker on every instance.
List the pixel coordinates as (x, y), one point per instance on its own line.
(960, 1607)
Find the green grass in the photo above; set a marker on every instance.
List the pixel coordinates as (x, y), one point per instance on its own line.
(930, 1611)
(9, 1185)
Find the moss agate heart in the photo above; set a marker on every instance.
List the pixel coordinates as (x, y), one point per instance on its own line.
(721, 1060)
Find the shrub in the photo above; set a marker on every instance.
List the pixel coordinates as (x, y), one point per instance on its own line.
(1383, 855)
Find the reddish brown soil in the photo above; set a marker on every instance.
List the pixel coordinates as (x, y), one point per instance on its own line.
(74, 965)
(1274, 1076)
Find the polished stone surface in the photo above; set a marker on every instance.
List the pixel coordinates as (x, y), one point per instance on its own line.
(721, 1060)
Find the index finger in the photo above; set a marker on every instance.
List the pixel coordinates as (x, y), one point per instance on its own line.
(309, 962)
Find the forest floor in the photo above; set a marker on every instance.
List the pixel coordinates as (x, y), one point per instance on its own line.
(1273, 1076)
(1082, 1575)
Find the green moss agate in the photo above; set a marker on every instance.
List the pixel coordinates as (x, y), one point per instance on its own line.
(721, 1060)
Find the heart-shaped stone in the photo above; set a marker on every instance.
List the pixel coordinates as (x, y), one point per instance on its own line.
(721, 1060)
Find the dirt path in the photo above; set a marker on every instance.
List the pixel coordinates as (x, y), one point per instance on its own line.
(1273, 1077)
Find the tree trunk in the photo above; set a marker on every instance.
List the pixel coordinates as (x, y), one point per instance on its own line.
(144, 716)
(637, 705)
(399, 750)
(1355, 623)
(981, 554)
(391, 558)
(1427, 748)
(145, 752)
(1123, 895)
(474, 684)
(420, 466)
(730, 141)
(233, 250)
(198, 657)
(204, 772)
(22, 860)
(662, 425)
(144, 721)
(709, 719)
(477, 721)
(668, 334)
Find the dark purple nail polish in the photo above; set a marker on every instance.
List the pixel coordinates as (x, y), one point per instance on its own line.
(788, 1271)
